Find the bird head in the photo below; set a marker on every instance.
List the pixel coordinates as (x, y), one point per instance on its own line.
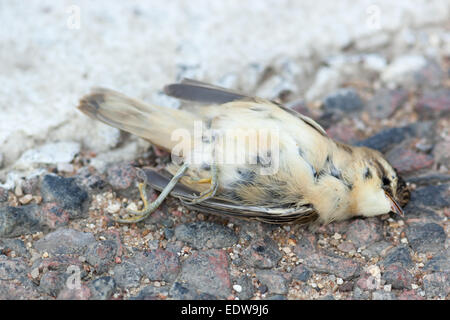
(378, 189)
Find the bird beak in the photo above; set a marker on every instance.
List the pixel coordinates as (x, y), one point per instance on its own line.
(395, 207)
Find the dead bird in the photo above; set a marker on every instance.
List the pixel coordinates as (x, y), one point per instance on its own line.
(292, 171)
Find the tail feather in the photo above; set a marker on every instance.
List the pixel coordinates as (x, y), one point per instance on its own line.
(152, 123)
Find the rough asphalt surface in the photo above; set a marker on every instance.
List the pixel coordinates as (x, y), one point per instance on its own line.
(57, 239)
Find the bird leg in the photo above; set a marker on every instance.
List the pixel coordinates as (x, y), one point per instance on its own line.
(214, 185)
(149, 208)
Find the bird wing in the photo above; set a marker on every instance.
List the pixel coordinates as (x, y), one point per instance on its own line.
(303, 214)
(205, 93)
(197, 91)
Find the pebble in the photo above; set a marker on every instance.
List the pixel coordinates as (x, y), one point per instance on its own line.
(398, 277)
(400, 255)
(376, 249)
(14, 245)
(434, 103)
(385, 102)
(64, 191)
(186, 291)
(363, 232)
(301, 273)
(121, 176)
(237, 288)
(101, 255)
(102, 288)
(127, 274)
(388, 138)
(247, 288)
(16, 221)
(207, 272)
(331, 264)
(158, 264)
(3, 194)
(439, 263)
(52, 282)
(428, 237)
(407, 161)
(276, 281)
(26, 199)
(65, 241)
(437, 284)
(262, 254)
(81, 293)
(203, 235)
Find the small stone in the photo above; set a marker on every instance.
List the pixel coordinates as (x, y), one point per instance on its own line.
(16, 245)
(102, 288)
(339, 281)
(363, 232)
(101, 255)
(186, 291)
(429, 237)
(437, 284)
(439, 263)
(376, 249)
(121, 176)
(262, 253)
(407, 161)
(127, 274)
(434, 103)
(347, 247)
(388, 138)
(344, 100)
(275, 281)
(52, 282)
(337, 236)
(409, 295)
(54, 215)
(399, 277)
(65, 241)
(158, 264)
(400, 71)
(114, 207)
(207, 272)
(400, 255)
(16, 221)
(64, 191)
(3, 195)
(206, 235)
(383, 295)
(18, 191)
(385, 102)
(81, 293)
(247, 287)
(436, 197)
(301, 273)
(26, 199)
(331, 264)
(237, 288)
(152, 293)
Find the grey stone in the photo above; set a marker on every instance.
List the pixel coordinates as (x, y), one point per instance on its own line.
(398, 255)
(127, 274)
(206, 235)
(65, 241)
(276, 282)
(262, 253)
(207, 272)
(428, 237)
(102, 288)
(66, 192)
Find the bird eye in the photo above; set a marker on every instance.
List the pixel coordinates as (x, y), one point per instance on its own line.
(386, 181)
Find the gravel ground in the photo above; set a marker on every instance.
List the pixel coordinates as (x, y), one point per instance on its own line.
(57, 240)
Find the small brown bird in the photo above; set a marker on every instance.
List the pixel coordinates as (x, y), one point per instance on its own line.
(251, 158)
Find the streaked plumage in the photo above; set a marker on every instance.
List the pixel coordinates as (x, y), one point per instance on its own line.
(318, 179)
